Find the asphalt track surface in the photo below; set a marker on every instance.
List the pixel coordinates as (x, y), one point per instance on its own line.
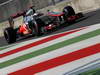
(90, 18)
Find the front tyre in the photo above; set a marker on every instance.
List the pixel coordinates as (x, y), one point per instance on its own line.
(68, 11)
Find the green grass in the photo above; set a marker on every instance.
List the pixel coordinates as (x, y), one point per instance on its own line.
(92, 72)
(3, 48)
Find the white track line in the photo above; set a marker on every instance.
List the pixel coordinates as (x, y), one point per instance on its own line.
(12, 56)
(60, 70)
(17, 45)
(28, 42)
(51, 55)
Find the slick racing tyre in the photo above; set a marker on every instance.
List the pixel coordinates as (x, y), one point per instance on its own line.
(10, 35)
(68, 11)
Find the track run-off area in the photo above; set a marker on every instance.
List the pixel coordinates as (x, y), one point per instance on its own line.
(54, 54)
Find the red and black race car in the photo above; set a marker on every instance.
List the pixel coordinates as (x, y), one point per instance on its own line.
(40, 24)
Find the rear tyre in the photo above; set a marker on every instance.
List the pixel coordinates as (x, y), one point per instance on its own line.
(10, 35)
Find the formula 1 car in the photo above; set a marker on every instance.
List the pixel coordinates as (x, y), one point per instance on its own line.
(39, 26)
